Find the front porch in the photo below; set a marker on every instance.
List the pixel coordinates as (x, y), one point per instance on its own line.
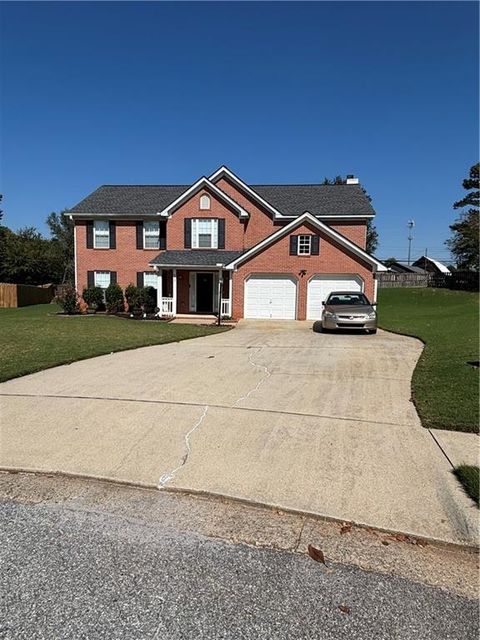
(194, 292)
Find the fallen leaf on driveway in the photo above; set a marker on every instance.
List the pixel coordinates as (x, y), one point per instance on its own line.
(345, 528)
(316, 554)
(344, 608)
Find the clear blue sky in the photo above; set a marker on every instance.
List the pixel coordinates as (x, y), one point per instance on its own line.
(98, 93)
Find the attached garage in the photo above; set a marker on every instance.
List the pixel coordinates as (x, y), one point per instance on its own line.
(321, 285)
(270, 296)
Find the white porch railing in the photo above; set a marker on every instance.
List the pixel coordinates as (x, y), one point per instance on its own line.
(225, 311)
(166, 308)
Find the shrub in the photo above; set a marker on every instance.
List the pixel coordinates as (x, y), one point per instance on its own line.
(93, 296)
(132, 296)
(114, 298)
(148, 299)
(69, 301)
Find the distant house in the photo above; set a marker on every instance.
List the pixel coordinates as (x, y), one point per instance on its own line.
(403, 267)
(432, 266)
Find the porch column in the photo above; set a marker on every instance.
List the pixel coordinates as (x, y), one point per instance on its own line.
(230, 293)
(174, 293)
(159, 291)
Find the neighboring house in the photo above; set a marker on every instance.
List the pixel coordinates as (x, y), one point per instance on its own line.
(404, 267)
(431, 265)
(271, 251)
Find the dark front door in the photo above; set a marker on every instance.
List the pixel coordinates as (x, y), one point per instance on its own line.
(204, 292)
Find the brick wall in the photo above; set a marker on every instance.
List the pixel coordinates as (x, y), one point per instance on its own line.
(126, 259)
(276, 259)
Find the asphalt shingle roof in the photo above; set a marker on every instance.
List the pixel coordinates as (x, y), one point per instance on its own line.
(289, 199)
(196, 257)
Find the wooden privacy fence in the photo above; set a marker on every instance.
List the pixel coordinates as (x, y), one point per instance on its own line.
(403, 279)
(460, 280)
(21, 295)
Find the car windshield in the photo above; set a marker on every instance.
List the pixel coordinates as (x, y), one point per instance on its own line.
(347, 299)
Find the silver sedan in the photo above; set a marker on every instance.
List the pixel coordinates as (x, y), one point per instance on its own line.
(349, 310)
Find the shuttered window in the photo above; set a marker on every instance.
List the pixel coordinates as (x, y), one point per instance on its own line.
(150, 279)
(101, 234)
(102, 279)
(204, 233)
(304, 245)
(151, 235)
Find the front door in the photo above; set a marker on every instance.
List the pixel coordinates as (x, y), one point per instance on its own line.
(204, 292)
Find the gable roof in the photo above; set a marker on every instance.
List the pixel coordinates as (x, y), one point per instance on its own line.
(439, 265)
(328, 231)
(282, 200)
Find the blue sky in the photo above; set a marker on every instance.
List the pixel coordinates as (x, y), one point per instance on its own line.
(136, 93)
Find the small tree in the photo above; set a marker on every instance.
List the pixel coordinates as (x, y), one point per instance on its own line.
(148, 299)
(69, 301)
(389, 262)
(93, 296)
(114, 298)
(132, 296)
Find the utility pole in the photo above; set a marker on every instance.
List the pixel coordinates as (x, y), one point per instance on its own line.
(410, 225)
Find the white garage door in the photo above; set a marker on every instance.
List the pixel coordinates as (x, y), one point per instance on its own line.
(270, 296)
(321, 285)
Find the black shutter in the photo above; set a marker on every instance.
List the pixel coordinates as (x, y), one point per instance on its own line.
(139, 278)
(139, 225)
(221, 233)
(113, 235)
(293, 245)
(315, 248)
(90, 278)
(162, 243)
(113, 277)
(187, 229)
(90, 234)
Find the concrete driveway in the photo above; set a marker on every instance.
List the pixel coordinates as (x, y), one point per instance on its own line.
(268, 412)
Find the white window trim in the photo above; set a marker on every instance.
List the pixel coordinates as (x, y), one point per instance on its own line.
(95, 283)
(102, 233)
(205, 202)
(151, 235)
(309, 251)
(213, 233)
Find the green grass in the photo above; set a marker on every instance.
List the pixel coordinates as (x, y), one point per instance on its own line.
(444, 386)
(31, 339)
(469, 477)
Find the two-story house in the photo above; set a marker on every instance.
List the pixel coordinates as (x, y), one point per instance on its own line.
(259, 251)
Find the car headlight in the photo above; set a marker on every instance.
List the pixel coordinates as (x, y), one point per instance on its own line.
(372, 316)
(329, 314)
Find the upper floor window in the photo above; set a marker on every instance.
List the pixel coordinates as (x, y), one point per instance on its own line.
(304, 245)
(205, 202)
(204, 233)
(151, 235)
(101, 234)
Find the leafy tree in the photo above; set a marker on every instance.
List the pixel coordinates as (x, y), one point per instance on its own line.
(28, 258)
(389, 262)
(61, 230)
(1, 210)
(464, 243)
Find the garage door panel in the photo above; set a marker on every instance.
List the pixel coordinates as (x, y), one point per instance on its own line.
(321, 285)
(270, 296)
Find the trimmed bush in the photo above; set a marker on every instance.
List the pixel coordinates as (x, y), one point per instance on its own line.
(132, 296)
(114, 298)
(148, 299)
(93, 296)
(69, 301)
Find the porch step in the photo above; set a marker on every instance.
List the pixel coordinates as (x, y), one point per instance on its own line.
(193, 318)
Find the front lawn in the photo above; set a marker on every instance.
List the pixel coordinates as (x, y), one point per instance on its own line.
(444, 384)
(31, 339)
(469, 477)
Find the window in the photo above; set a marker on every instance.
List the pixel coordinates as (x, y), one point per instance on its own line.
(151, 235)
(101, 234)
(304, 245)
(102, 279)
(204, 202)
(150, 279)
(204, 233)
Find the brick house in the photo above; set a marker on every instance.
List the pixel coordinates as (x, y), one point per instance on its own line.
(262, 251)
